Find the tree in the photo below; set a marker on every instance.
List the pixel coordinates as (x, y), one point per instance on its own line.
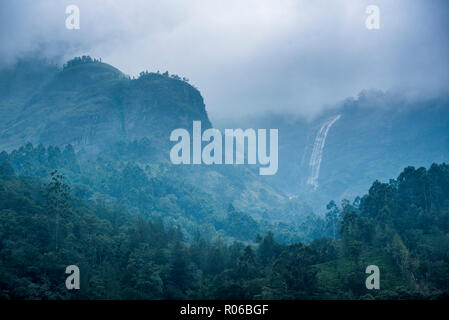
(57, 195)
(332, 218)
(268, 249)
(6, 170)
(247, 266)
(145, 280)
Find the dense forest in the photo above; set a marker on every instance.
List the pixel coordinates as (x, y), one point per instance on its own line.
(55, 212)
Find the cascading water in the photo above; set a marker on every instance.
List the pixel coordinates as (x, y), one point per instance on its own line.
(317, 152)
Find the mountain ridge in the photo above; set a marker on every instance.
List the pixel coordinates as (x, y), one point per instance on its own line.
(117, 127)
(87, 98)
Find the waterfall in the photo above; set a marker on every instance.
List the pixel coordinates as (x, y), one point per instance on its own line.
(317, 152)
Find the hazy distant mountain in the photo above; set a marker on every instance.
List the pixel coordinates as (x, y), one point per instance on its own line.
(372, 137)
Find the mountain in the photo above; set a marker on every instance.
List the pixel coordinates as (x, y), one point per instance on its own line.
(93, 104)
(378, 135)
(119, 129)
(338, 155)
(109, 135)
(85, 180)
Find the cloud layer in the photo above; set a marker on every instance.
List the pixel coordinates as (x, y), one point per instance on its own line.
(250, 56)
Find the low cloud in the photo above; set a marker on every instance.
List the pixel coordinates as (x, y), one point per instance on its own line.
(247, 57)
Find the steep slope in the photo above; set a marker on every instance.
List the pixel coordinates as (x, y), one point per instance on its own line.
(339, 154)
(119, 129)
(377, 135)
(19, 83)
(93, 103)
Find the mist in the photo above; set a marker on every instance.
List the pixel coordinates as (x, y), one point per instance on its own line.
(250, 57)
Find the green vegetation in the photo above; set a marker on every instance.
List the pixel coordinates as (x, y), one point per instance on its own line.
(401, 226)
(132, 176)
(119, 128)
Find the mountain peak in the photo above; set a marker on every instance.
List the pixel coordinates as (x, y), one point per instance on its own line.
(88, 103)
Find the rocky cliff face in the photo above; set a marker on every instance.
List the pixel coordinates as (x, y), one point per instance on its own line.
(89, 104)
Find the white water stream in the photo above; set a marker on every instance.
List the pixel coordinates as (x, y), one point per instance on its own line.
(317, 152)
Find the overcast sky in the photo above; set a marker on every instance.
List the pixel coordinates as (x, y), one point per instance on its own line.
(247, 57)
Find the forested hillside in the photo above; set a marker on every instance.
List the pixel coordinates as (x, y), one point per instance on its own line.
(132, 177)
(401, 226)
(109, 134)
